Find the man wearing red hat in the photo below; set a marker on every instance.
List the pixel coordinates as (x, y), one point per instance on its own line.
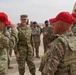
(5, 42)
(60, 58)
(74, 24)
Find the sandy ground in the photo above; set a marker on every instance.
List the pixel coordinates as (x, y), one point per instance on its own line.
(14, 71)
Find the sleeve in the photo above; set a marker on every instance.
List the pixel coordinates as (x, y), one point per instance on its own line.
(38, 31)
(13, 38)
(28, 40)
(33, 32)
(50, 31)
(52, 58)
(42, 29)
(4, 41)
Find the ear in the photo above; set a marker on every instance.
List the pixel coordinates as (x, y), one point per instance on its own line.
(60, 24)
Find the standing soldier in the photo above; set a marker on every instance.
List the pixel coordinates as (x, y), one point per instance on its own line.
(7, 33)
(47, 31)
(53, 36)
(60, 58)
(24, 49)
(32, 39)
(5, 42)
(36, 38)
(31, 23)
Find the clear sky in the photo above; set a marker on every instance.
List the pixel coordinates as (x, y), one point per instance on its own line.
(37, 10)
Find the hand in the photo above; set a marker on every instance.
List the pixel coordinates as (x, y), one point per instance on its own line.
(17, 55)
(45, 33)
(13, 25)
(0, 36)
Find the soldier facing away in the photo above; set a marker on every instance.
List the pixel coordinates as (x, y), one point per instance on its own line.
(60, 59)
(5, 42)
(24, 51)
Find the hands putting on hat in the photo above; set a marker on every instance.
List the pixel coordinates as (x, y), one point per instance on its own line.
(12, 25)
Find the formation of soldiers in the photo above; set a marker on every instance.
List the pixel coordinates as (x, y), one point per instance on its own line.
(59, 41)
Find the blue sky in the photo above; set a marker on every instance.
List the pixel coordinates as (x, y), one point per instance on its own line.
(37, 10)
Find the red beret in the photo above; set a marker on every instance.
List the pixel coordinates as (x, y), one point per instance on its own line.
(73, 14)
(4, 18)
(63, 16)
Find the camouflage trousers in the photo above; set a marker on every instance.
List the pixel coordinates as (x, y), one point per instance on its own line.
(37, 44)
(45, 46)
(3, 64)
(25, 56)
(9, 56)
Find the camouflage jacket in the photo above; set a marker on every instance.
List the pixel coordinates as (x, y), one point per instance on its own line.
(74, 29)
(36, 34)
(24, 36)
(48, 30)
(5, 43)
(60, 56)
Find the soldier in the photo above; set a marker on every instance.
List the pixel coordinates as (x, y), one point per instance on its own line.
(31, 24)
(74, 24)
(7, 33)
(52, 36)
(36, 38)
(32, 40)
(24, 49)
(47, 31)
(60, 58)
(5, 43)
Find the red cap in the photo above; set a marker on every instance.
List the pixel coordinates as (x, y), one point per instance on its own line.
(73, 14)
(63, 16)
(4, 18)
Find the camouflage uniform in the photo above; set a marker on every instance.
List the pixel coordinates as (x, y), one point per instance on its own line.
(46, 37)
(5, 44)
(36, 39)
(7, 33)
(74, 29)
(60, 59)
(24, 49)
(32, 40)
(53, 37)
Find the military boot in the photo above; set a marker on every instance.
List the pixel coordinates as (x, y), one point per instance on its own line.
(33, 74)
(22, 74)
(37, 53)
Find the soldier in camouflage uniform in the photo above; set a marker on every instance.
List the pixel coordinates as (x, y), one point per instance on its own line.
(36, 38)
(60, 58)
(24, 49)
(32, 40)
(7, 33)
(74, 24)
(5, 43)
(47, 31)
